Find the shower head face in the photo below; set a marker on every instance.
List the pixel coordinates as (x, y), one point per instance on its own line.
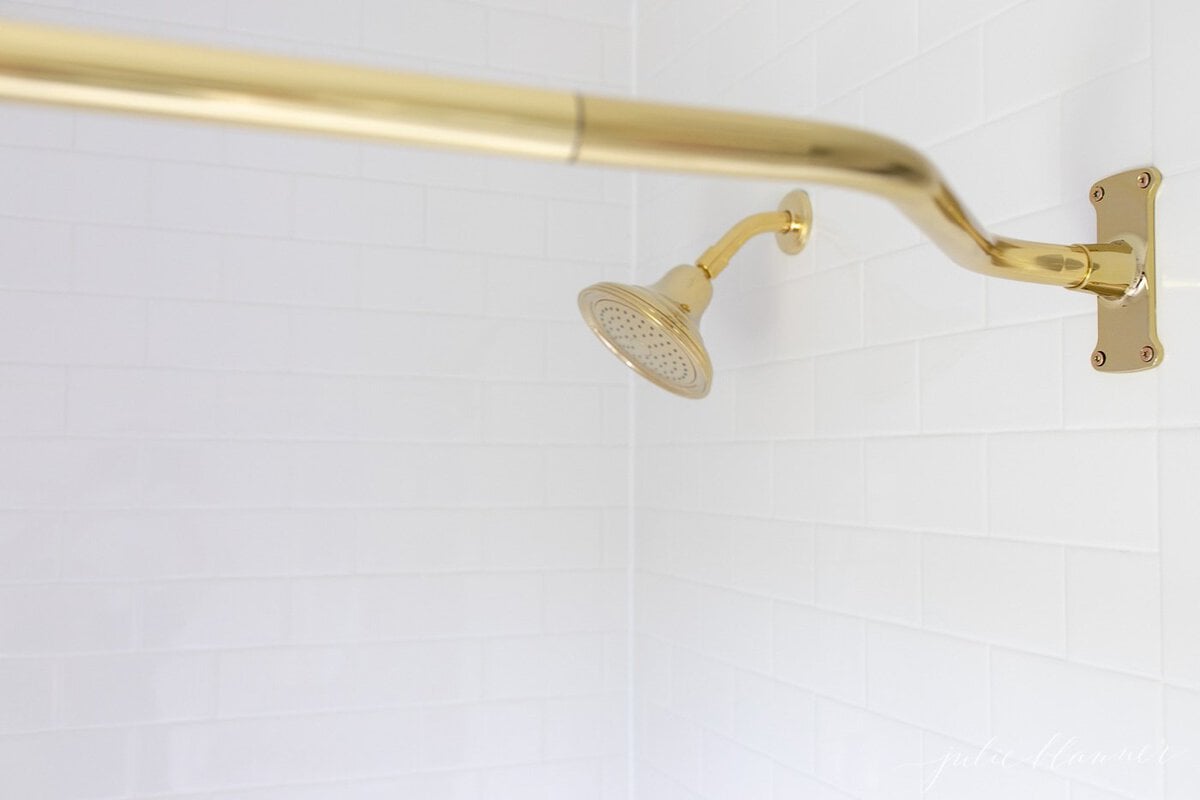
(651, 333)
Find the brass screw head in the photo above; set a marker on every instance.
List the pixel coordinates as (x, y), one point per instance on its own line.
(1098, 358)
(1147, 354)
(1098, 193)
(1144, 180)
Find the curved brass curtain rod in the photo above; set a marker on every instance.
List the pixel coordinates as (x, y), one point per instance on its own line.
(53, 65)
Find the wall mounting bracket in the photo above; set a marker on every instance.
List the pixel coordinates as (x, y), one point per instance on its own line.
(1127, 325)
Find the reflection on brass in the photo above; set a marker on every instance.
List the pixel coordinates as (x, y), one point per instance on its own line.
(54, 65)
(655, 329)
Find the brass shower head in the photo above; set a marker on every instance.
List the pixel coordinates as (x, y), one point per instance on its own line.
(655, 329)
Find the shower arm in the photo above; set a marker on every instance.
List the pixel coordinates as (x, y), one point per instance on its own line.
(59, 66)
(790, 224)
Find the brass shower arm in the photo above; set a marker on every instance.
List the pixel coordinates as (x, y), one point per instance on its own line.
(791, 224)
(54, 65)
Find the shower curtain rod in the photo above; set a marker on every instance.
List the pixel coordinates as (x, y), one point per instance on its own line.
(45, 64)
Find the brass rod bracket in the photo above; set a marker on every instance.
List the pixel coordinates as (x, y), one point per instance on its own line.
(1127, 325)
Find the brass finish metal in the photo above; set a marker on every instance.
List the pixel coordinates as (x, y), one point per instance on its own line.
(655, 329)
(1127, 321)
(53, 65)
(793, 240)
(791, 224)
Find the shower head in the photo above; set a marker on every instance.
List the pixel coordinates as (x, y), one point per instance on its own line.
(655, 329)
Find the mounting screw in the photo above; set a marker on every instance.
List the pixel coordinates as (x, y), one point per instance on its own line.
(1144, 180)
(1147, 354)
(1098, 358)
(1098, 193)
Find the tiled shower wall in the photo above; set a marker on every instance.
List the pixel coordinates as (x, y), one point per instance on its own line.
(912, 546)
(311, 485)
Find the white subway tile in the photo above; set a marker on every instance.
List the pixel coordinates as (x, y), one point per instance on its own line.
(217, 336)
(776, 719)
(152, 263)
(841, 68)
(546, 666)
(419, 540)
(1179, 508)
(868, 392)
(291, 272)
(671, 745)
(220, 200)
(223, 474)
(1007, 379)
(1048, 711)
(1177, 119)
(869, 573)
(820, 651)
(30, 542)
(276, 750)
(449, 31)
(33, 400)
(1091, 152)
(544, 414)
(56, 473)
(419, 673)
(475, 222)
(1028, 174)
(71, 329)
(1182, 736)
(819, 480)
(566, 49)
(702, 690)
(867, 755)
(1041, 487)
(932, 681)
(26, 694)
(355, 211)
(455, 737)
(135, 687)
(930, 482)
(1114, 610)
(140, 402)
(940, 19)
(731, 771)
(76, 187)
(308, 20)
(585, 476)
(202, 615)
(588, 231)
(774, 401)
(583, 728)
(824, 313)
(37, 255)
(916, 293)
(585, 601)
(945, 83)
(1117, 34)
(148, 138)
(553, 539)
(57, 618)
(33, 765)
(773, 558)
(451, 605)
(1005, 592)
(280, 681)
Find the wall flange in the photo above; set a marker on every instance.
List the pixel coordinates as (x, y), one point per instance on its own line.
(1127, 325)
